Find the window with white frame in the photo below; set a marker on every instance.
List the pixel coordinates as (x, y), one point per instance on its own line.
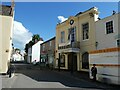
(118, 42)
(62, 37)
(109, 27)
(85, 28)
(72, 34)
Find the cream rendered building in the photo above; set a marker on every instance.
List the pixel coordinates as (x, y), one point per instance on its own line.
(80, 29)
(6, 26)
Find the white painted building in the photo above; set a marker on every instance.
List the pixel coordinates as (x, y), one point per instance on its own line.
(36, 52)
(107, 38)
(106, 56)
(17, 56)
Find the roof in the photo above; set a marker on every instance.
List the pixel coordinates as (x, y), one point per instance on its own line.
(49, 40)
(107, 17)
(84, 11)
(78, 14)
(6, 10)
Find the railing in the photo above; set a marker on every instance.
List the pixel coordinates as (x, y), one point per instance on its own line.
(69, 45)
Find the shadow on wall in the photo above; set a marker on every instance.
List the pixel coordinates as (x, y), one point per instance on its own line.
(104, 80)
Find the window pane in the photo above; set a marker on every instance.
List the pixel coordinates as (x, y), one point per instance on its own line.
(109, 27)
(62, 37)
(85, 31)
(72, 34)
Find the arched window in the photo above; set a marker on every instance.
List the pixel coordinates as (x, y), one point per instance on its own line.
(85, 60)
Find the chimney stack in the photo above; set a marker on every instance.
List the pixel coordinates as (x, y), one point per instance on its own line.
(12, 7)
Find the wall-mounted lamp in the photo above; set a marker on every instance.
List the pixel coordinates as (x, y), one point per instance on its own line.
(96, 44)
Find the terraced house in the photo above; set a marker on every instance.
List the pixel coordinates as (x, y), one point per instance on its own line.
(48, 52)
(75, 37)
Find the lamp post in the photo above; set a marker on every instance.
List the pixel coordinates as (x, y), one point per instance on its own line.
(71, 40)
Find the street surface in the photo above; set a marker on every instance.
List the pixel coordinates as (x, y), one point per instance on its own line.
(29, 76)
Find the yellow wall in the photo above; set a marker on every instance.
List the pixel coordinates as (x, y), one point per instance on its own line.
(6, 41)
(85, 45)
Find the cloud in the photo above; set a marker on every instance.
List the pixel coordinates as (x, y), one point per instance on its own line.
(62, 18)
(21, 35)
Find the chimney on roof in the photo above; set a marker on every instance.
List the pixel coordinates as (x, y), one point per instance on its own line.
(12, 7)
(114, 12)
(99, 18)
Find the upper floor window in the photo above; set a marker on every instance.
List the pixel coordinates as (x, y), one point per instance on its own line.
(72, 34)
(85, 28)
(43, 47)
(118, 42)
(109, 27)
(62, 37)
(50, 43)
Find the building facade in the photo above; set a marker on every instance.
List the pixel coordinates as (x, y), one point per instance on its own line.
(36, 52)
(75, 37)
(107, 55)
(17, 56)
(6, 26)
(29, 55)
(48, 52)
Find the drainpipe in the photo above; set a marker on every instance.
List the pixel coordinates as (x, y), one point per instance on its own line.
(59, 63)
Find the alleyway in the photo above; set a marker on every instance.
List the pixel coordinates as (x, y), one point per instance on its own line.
(28, 76)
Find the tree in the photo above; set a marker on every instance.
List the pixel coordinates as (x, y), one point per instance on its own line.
(41, 39)
(30, 44)
(17, 49)
(35, 38)
(26, 48)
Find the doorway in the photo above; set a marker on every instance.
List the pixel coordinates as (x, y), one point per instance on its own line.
(74, 61)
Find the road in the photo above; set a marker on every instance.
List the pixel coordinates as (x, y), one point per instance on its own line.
(28, 76)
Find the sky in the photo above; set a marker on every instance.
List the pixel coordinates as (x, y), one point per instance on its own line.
(42, 17)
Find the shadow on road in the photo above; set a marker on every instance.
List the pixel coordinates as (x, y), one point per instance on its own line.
(46, 75)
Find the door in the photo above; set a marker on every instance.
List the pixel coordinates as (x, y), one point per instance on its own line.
(74, 63)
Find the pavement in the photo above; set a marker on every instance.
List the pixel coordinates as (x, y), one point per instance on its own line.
(28, 76)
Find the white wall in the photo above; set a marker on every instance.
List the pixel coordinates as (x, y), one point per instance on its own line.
(17, 57)
(106, 40)
(106, 62)
(36, 51)
(107, 67)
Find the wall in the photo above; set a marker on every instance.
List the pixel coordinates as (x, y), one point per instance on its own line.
(6, 41)
(106, 40)
(29, 56)
(89, 44)
(107, 64)
(36, 51)
(85, 45)
(107, 54)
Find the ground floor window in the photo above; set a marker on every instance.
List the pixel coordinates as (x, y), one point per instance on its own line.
(85, 60)
(62, 61)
